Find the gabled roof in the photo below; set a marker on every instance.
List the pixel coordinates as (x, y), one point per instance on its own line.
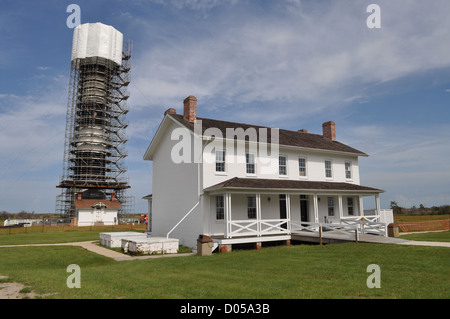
(89, 203)
(237, 183)
(286, 137)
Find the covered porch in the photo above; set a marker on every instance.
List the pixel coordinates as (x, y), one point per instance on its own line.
(252, 210)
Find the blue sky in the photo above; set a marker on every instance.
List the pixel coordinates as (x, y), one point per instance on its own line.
(290, 64)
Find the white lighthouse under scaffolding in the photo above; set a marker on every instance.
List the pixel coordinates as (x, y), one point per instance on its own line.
(93, 180)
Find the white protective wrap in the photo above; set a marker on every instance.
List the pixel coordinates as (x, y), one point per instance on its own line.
(97, 40)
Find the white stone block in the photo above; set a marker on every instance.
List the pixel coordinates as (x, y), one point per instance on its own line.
(151, 245)
(114, 239)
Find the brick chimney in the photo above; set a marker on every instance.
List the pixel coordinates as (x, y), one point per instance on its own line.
(190, 108)
(79, 196)
(329, 130)
(170, 111)
(113, 196)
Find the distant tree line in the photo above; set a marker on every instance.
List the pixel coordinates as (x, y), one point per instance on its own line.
(421, 210)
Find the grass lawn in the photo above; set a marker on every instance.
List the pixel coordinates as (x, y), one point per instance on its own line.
(50, 237)
(299, 271)
(442, 236)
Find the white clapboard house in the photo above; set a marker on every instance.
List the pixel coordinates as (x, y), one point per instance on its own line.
(242, 183)
(91, 212)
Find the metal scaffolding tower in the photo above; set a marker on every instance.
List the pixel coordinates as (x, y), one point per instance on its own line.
(95, 135)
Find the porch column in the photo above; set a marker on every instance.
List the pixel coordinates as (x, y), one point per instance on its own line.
(227, 208)
(258, 214)
(316, 208)
(340, 207)
(361, 206)
(377, 203)
(288, 211)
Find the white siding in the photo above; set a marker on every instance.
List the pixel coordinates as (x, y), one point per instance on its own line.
(175, 192)
(315, 166)
(178, 187)
(88, 217)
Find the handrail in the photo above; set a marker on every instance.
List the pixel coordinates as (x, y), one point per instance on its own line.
(260, 227)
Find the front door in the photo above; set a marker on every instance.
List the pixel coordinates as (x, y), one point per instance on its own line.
(283, 213)
(98, 216)
(303, 210)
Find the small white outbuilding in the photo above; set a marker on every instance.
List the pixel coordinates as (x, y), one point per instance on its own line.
(90, 212)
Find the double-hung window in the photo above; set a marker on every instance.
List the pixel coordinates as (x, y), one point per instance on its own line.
(251, 207)
(302, 166)
(250, 163)
(220, 208)
(282, 165)
(330, 206)
(328, 169)
(220, 161)
(350, 206)
(348, 170)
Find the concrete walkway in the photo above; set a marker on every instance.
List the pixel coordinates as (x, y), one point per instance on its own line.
(91, 246)
(398, 241)
(340, 237)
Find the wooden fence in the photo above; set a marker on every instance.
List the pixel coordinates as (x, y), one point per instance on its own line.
(432, 225)
(65, 228)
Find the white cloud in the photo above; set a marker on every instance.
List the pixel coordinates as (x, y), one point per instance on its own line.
(276, 57)
(410, 163)
(43, 68)
(202, 5)
(253, 60)
(32, 131)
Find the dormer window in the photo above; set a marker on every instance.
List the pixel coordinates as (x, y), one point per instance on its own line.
(99, 205)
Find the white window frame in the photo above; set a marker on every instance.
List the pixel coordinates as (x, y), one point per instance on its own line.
(306, 166)
(224, 162)
(350, 170)
(330, 211)
(251, 210)
(247, 163)
(330, 169)
(285, 165)
(220, 207)
(350, 204)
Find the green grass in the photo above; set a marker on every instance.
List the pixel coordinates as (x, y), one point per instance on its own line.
(300, 271)
(50, 237)
(442, 236)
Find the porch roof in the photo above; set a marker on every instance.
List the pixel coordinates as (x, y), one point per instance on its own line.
(237, 183)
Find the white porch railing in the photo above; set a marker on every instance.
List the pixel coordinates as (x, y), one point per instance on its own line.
(297, 227)
(348, 225)
(254, 227)
(271, 226)
(366, 224)
(242, 228)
